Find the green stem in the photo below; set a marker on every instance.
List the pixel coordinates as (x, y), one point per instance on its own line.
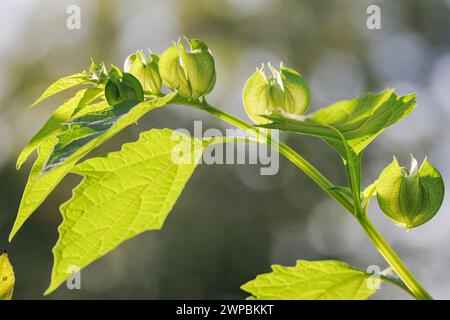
(379, 242)
(293, 156)
(393, 259)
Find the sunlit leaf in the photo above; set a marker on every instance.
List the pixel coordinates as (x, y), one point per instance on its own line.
(122, 195)
(7, 279)
(53, 126)
(359, 121)
(63, 84)
(312, 280)
(91, 130)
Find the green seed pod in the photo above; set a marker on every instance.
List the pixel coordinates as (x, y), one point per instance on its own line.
(122, 86)
(147, 72)
(410, 198)
(285, 90)
(192, 73)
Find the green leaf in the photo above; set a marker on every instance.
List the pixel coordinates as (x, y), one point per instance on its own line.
(122, 195)
(358, 121)
(91, 130)
(42, 181)
(312, 280)
(7, 279)
(63, 84)
(54, 126)
(39, 186)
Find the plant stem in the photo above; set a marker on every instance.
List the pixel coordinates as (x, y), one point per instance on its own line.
(378, 241)
(393, 259)
(293, 156)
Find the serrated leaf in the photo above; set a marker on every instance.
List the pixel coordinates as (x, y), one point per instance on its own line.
(43, 181)
(39, 186)
(96, 128)
(359, 121)
(53, 126)
(63, 84)
(312, 280)
(122, 195)
(7, 279)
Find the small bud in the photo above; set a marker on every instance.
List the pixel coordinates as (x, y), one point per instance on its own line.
(122, 86)
(97, 71)
(147, 72)
(192, 73)
(285, 90)
(410, 198)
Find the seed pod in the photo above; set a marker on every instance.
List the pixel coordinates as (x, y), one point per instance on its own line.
(285, 90)
(410, 198)
(122, 86)
(192, 73)
(147, 72)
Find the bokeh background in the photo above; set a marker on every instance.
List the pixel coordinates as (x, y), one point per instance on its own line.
(230, 223)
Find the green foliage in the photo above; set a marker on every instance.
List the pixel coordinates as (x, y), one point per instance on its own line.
(61, 85)
(313, 280)
(7, 279)
(410, 198)
(285, 90)
(122, 195)
(130, 191)
(354, 122)
(87, 132)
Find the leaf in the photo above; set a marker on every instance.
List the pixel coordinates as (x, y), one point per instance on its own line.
(7, 279)
(42, 181)
(359, 121)
(91, 130)
(53, 126)
(39, 186)
(311, 280)
(63, 84)
(122, 195)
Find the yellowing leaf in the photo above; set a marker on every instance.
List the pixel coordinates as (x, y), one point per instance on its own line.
(312, 280)
(122, 195)
(7, 279)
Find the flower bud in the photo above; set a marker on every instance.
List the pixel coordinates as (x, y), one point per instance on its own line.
(285, 90)
(192, 73)
(147, 72)
(410, 198)
(97, 71)
(122, 86)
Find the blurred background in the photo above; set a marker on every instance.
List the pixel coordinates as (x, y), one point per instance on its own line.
(230, 223)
